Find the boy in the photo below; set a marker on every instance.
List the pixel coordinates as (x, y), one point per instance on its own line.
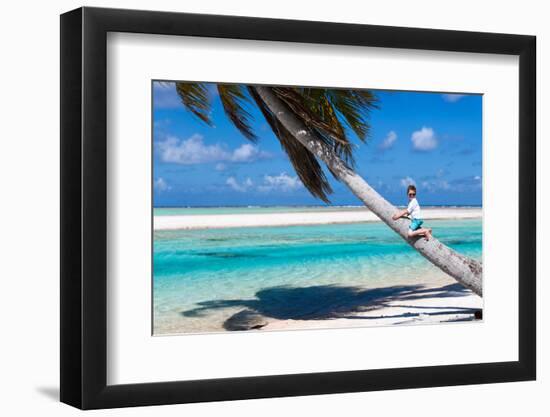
(413, 211)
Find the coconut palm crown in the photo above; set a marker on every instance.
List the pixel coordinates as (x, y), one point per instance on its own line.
(331, 114)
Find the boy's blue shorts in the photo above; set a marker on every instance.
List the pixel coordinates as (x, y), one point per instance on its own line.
(415, 224)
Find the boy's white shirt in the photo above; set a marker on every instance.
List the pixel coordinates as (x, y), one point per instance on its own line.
(414, 209)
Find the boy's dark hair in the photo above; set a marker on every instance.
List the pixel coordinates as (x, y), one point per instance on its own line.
(411, 187)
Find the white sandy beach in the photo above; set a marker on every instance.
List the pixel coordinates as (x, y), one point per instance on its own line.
(440, 299)
(211, 221)
(436, 304)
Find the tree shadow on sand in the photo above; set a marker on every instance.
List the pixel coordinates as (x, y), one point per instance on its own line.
(324, 302)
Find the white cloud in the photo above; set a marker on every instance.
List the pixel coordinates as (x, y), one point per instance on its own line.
(389, 140)
(452, 98)
(240, 187)
(161, 185)
(194, 151)
(270, 183)
(220, 166)
(190, 151)
(281, 182)
(405, 182)
(247, 153)
(424, 139)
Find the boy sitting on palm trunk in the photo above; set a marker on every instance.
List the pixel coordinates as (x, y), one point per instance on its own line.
(413, 211)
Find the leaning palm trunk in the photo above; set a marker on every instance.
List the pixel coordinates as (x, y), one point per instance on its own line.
(466, 271)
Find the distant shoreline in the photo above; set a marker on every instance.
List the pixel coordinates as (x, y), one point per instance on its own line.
(297, 218)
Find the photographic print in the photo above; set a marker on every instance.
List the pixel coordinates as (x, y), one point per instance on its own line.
(298, 207)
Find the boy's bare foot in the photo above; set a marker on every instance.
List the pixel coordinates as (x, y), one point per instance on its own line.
(428, 234)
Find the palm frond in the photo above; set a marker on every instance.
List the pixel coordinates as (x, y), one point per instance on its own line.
(194, 97)
(304, 162)
(306, 109)
(319, 104)
(233, 97)
(316, 110)
(322, 107)
(354, 106)
(328, 113)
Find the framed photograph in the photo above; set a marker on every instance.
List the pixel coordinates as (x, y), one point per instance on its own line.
(259, 208)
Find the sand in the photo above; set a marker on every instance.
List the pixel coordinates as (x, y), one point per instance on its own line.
(438, 299)
(454, 304)
(294, 219)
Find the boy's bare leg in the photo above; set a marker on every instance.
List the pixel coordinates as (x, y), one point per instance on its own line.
(427, 233)
(417, 232)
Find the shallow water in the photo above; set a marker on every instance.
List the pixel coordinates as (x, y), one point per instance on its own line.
(202, 277)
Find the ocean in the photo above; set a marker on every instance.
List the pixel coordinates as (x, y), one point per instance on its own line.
(203, 277)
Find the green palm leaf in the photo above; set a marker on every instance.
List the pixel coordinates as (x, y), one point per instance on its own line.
(304, 162)
(355, 107)
(329, 113)
(233, 96)
(194, 97)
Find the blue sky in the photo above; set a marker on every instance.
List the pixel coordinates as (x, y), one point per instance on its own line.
(430, 139)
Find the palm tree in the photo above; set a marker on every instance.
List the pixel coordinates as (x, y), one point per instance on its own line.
(311, 125)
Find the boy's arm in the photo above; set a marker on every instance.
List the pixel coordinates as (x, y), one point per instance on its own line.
(399, 214)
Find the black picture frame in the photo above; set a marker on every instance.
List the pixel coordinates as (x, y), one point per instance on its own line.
(84, 207)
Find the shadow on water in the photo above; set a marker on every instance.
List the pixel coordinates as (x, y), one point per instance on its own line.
(322, 302)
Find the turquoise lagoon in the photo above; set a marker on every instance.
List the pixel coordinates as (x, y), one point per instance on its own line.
(203, 277)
